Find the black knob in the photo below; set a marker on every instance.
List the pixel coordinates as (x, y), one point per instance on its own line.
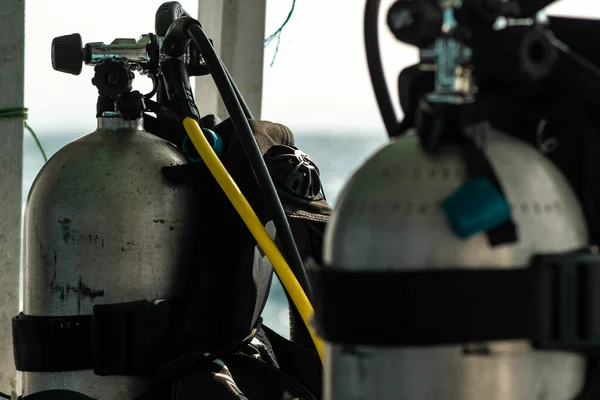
(67, 54)
(415, 22)
(112, 78)
(538, 55)
(131, 105)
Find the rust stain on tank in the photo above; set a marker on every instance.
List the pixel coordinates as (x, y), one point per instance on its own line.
(52, 283)
(81, 291)
(65, 229)
(64, 291)
(99, 240)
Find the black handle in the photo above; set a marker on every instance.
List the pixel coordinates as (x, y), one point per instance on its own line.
(418, 23)
(166, 14)
(172, 22)
(67, 54)
(177, 39)
(179, 90)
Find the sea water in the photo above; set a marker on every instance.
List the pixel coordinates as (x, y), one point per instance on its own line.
(336, 155)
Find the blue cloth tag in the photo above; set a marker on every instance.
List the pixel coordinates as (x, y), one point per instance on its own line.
(477, 206)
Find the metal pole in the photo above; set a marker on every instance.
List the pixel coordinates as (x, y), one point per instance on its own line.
(237, 28)
(12, 49)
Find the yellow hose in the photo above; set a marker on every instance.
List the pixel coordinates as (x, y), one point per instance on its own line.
(237, 198)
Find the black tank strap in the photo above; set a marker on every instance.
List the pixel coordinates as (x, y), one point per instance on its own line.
(478, 166)
(118, 339)
(52, 343)
(554, 303)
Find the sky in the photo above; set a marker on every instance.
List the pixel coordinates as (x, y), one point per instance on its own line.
(319, 82)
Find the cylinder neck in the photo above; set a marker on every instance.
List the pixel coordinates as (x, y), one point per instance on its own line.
(119, 124)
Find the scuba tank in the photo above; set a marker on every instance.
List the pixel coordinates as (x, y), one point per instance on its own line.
(103, 227)
(470, 248)
(147, 267)
(400, 222)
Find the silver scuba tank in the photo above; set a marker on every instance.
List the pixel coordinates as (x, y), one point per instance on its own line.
(388, 218)
(103, 226)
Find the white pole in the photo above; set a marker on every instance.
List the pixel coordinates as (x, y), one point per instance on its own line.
(237, 28)
(12, 49)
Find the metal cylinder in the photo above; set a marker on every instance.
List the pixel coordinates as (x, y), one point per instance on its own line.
(389, 218)
(103, 226)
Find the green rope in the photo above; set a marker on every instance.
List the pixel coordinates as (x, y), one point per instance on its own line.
(277, 33)
(21, 113)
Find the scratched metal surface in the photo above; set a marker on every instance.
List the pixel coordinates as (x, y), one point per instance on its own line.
(103, 226)
(389, 217)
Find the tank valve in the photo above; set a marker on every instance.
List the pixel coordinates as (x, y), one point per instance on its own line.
(143, 55)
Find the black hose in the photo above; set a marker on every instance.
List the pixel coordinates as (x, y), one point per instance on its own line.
(244, 132)
(166, 14)
(239, 96)
(382, 95)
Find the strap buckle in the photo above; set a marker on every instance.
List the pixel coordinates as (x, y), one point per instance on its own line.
(126, 337)
(568, 301)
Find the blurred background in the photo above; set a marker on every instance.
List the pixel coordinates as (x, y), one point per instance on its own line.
(318, 85)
